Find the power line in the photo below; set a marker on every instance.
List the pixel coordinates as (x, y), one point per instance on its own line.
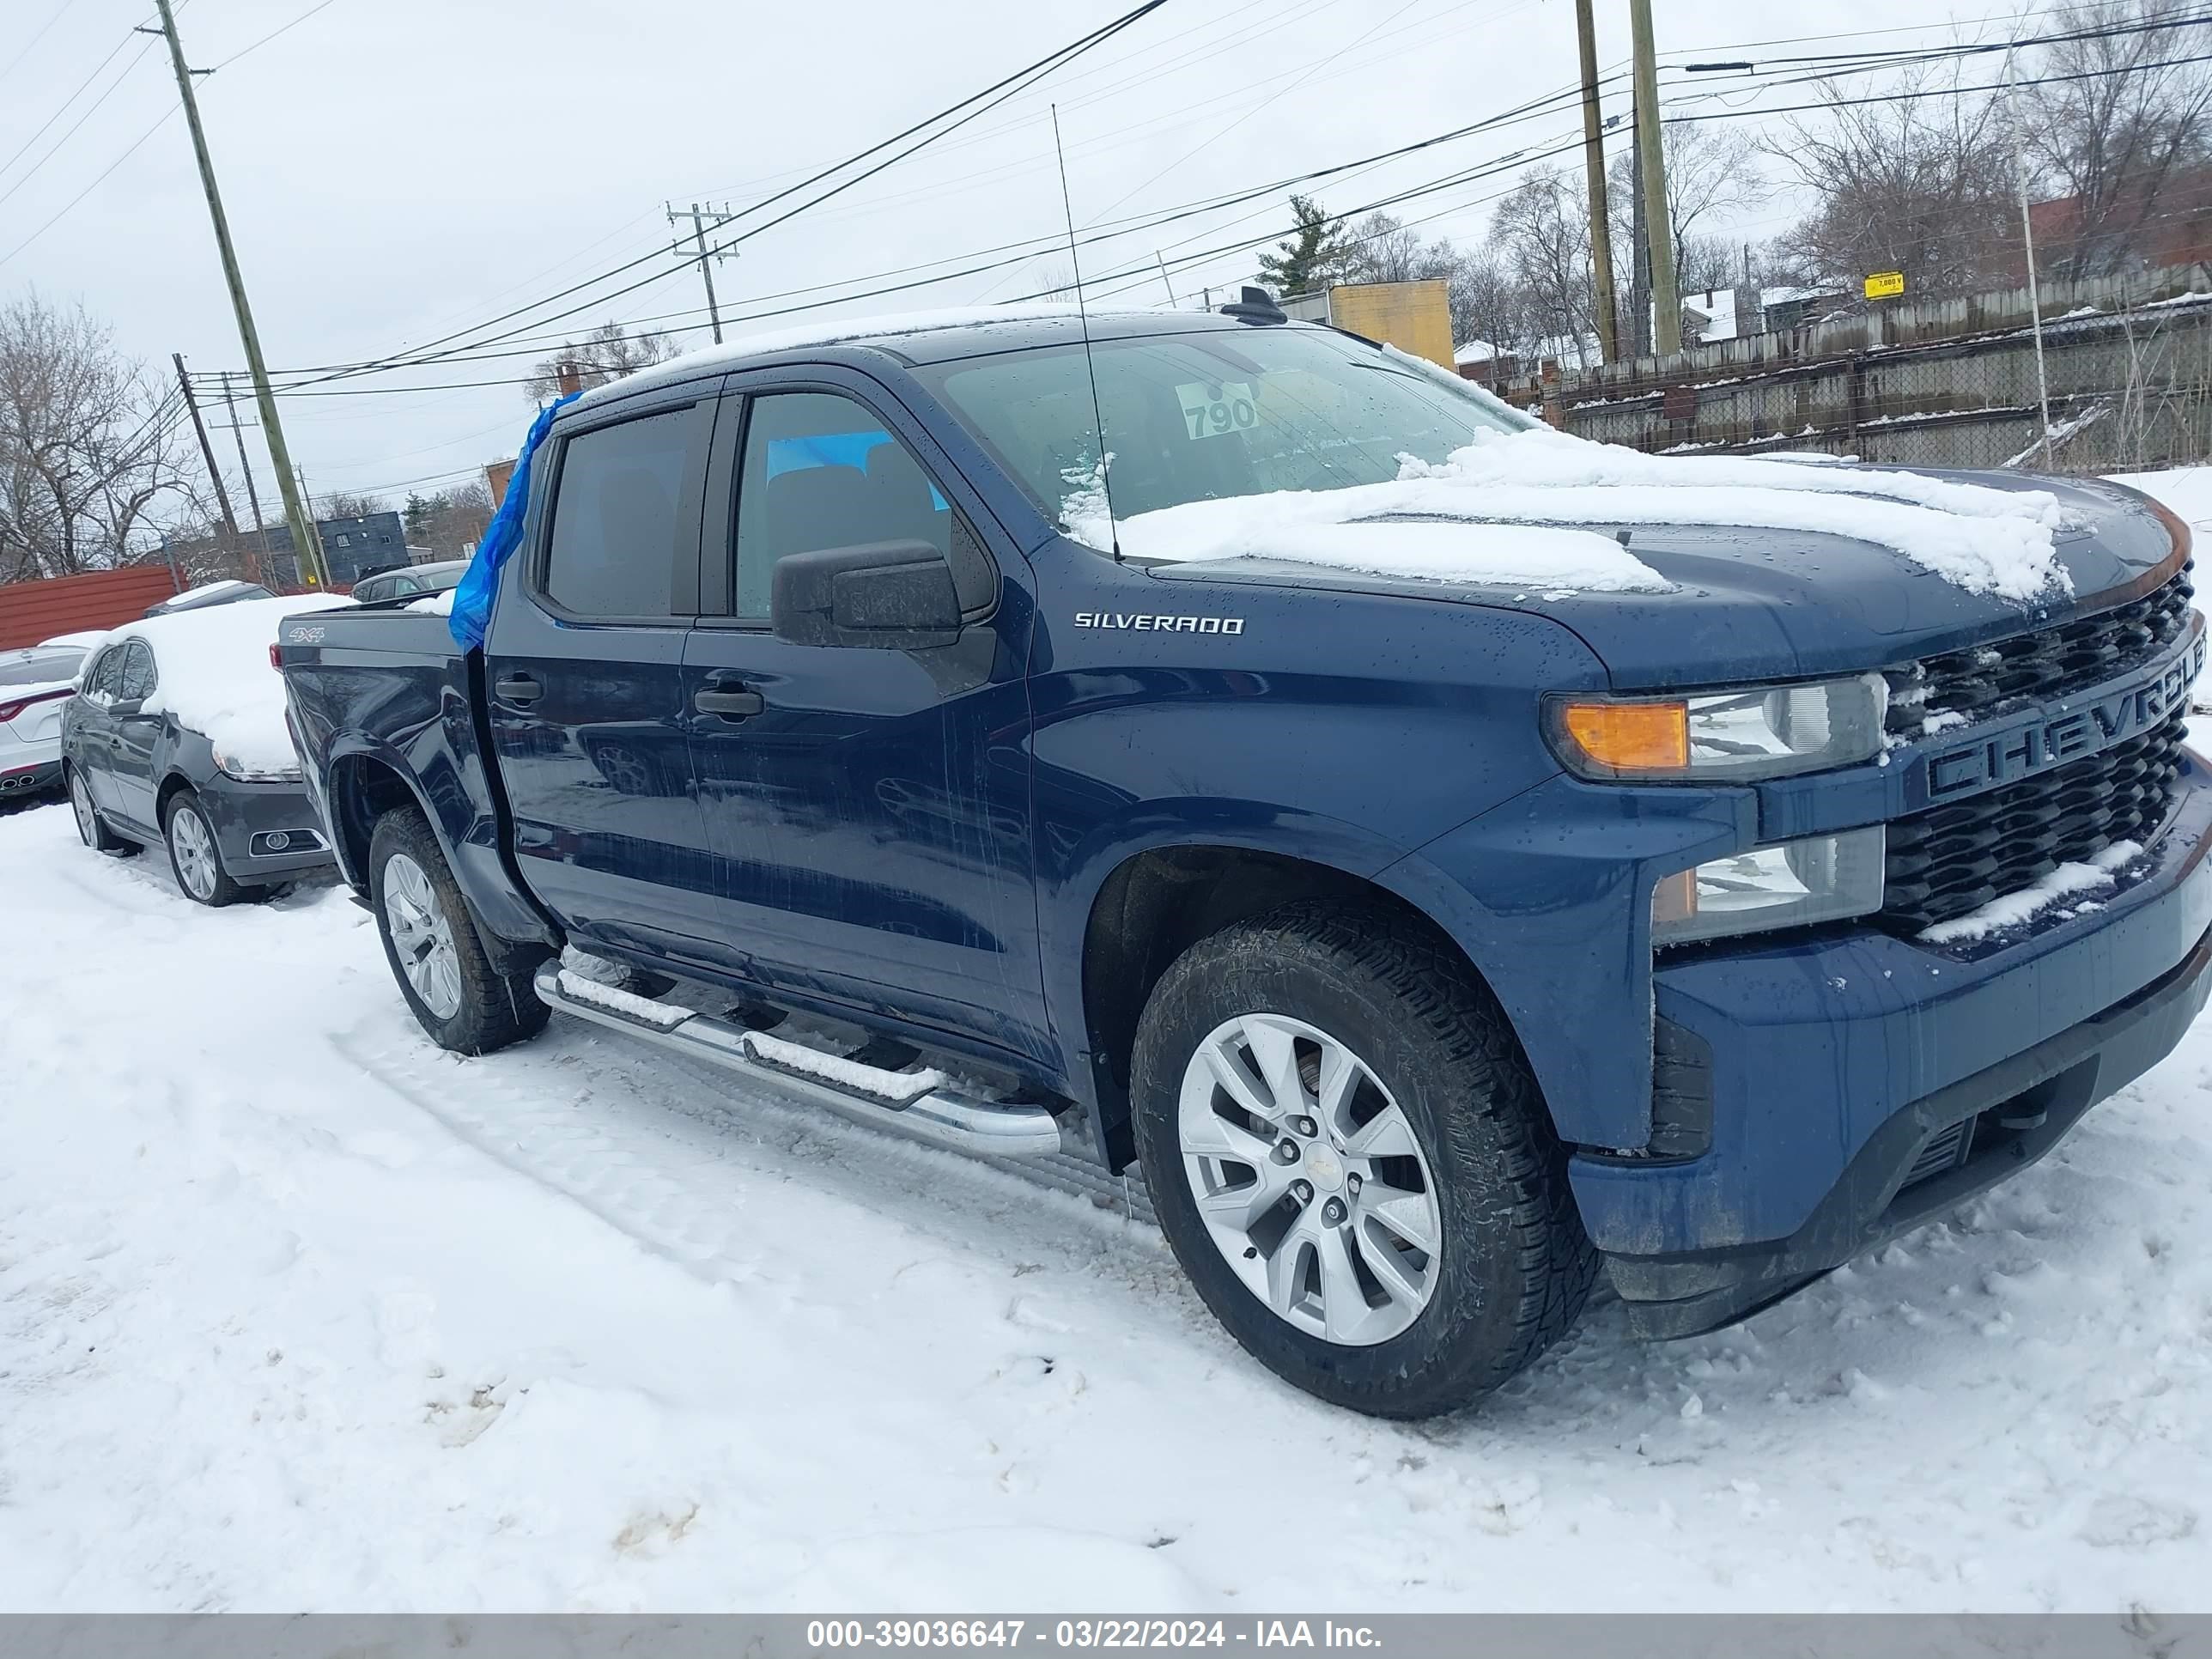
(55, 148)
(995, 93)
(31, 43)
(321, 5)
(99, 179)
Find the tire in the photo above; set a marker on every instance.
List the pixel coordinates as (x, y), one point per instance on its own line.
(466, 1004)
(1511, 1266)
(91, 829)
(195, 857)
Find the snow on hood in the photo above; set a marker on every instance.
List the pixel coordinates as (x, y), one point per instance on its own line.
(211, 671)
(1996, 542)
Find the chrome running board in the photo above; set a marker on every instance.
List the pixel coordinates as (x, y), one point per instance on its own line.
(920, 1105)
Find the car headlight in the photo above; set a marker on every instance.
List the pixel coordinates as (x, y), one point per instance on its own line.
(1758, 732)
(247, 772)
(1791, 883)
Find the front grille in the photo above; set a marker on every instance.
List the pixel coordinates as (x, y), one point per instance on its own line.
(1948, 860)
(2055, 662)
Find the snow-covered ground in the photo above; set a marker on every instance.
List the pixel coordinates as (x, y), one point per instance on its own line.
(297, 1312)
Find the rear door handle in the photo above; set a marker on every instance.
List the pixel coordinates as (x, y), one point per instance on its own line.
(730, 705)
(519, 688)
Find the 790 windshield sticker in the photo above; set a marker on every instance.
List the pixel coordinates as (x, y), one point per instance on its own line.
(1215, 411)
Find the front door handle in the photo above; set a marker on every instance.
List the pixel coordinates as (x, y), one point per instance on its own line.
(730, 705)
(519, 688)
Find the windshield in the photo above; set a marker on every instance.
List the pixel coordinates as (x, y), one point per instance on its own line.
(1207, 416)
(42, 667)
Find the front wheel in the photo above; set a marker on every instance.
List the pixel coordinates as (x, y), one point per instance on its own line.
(464, 1003)
(195, 857)
(1352, 1163)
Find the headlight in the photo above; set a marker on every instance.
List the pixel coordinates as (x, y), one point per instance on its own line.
(1760, 732)
(1791, 883)
(247, 772)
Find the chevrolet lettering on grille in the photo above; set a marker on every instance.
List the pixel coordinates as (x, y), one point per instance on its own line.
(2098, 724)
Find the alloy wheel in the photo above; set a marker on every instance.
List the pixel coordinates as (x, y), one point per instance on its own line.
(421, 936)
(193, 843)
(1310, 1179)
(88, 822)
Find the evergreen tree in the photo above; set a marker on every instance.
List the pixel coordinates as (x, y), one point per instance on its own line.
(1313, 258)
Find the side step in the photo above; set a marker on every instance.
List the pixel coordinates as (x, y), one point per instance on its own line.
(921, 1105)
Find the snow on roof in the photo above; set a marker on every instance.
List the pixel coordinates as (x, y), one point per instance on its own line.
(832, 332)
(1986, 541)
(211, 671)
(1475, 351)
(1717, 306)
(84, 639)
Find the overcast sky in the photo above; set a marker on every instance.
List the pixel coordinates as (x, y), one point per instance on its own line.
(396, 170)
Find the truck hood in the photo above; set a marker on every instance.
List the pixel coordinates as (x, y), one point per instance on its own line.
(1763, 604)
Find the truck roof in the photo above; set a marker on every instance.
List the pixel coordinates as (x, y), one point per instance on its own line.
(922, 336)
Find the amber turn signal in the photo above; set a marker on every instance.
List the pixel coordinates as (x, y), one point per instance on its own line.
(1630, 736)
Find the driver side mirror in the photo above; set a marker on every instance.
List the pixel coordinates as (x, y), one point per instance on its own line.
(887, 596)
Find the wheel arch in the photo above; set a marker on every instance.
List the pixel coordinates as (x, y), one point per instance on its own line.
(1157, 901)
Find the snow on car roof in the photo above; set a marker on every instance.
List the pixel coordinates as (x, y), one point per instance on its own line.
(211, 671)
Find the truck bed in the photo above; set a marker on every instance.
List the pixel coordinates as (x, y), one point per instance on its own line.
(382, 701)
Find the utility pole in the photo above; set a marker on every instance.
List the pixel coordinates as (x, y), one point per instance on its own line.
(237, 431)
(1659, 228)
(1640, 250)
(207, 449)
(707, 256)
(236, 428)
(1164, 282)
(2028, 247)
(280, 456)
(314, 532)
(1608, 316)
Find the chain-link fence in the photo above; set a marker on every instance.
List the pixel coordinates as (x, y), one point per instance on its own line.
(1952, 384)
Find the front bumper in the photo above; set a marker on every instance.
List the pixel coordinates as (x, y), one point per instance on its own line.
(247, 817)
(1842, 1068)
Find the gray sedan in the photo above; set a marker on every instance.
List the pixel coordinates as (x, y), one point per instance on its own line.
(137, 777)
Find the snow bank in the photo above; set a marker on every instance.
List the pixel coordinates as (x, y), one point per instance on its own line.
(1987, 541)
(2011, 910)
(212, 672)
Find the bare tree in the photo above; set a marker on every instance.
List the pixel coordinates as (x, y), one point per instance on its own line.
(344, 504)
(1542, 233)
(608, 352)
(1382, 249)
(450, 521)
(88, 447)
(1922, 183)
(2114, 119)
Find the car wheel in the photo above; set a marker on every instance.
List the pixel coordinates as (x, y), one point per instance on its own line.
(194, 856)
(89, 828)
(464, 1003)
(1351, 1160)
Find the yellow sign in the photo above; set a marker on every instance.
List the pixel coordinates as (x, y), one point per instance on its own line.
(1885, 284)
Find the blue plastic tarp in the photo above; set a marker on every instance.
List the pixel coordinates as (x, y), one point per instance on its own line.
(472, 599)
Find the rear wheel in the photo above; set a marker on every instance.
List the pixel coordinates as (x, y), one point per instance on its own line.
(195, 857)
(90, 829)
(1352, 1163)
(457, 996)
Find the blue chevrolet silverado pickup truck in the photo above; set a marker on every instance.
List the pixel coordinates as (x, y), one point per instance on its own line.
(1158, 735)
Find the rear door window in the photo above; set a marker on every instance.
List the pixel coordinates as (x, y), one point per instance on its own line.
(625, 535)
(136, 682)
(107, 675)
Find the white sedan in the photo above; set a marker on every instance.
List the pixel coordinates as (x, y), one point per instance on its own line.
(35, 685)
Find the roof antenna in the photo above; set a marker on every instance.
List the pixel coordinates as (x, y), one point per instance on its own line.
(1089, 364)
